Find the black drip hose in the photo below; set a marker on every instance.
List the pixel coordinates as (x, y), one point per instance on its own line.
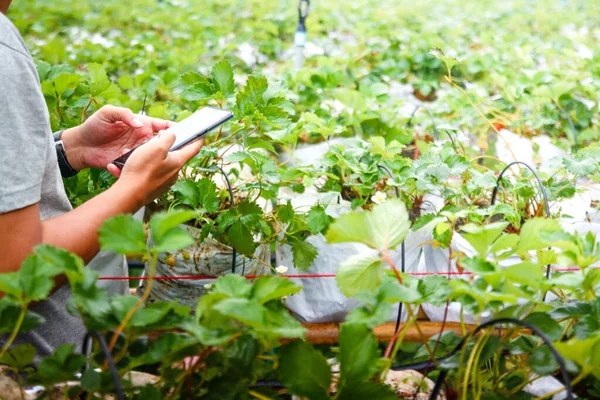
(542, 190)
(561, 362)
(402, 248)
(234, 254)
(435, 130)
(109, 360)
(443, 373)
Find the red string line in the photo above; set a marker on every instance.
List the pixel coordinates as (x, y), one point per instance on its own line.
(291, 276)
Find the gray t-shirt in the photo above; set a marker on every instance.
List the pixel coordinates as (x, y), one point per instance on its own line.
(29, 174)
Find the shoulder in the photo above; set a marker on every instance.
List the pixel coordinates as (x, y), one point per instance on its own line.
(10, 39)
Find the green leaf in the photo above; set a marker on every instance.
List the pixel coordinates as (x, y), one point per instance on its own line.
(285, 212)
(395, 292)
(161, 348)
(241, 239)
(304, 254)
(91, 380)
(207, 195)
(359, 353)
(72, 265)
(19, 356)
(188, 191)
(351, 98)
(571, 310)
(531, 232)
(65, 82)
(542, 361)
(566, 281)
(317, 219)
(449, 61)
(233, 285)
(482, 237)
(580, 166)
(166, 233)
(546, 324)
(586, 326)
(252, 94)
(123, 234)
(248, 312)
(9, 314)
(304, 371)
(36, 278)
(97, 72)
(206, 336)
(222, 76)
(199, 91)
(383, 228)
(267, 288)
(99, 80)
(61, 366)
(359, 272)
(525, 273)
(9, 285)
(479, 266)
(586, 353)
(426, 220)
(434, 289)
(194, 86)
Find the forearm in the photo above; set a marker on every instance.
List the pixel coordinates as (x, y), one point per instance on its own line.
(77, 230)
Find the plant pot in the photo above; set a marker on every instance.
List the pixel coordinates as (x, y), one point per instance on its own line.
(207, 258)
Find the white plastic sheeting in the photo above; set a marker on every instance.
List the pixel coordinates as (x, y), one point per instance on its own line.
(207, 258)
(320, 300)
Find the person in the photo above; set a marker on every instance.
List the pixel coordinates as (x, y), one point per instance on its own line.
(34, 208)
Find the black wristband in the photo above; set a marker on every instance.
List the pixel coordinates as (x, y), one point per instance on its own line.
(66, 170)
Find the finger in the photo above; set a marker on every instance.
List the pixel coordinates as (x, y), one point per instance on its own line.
(163, 142)
(122, 114)
(187, 152)
(157, 124)
(114, 170)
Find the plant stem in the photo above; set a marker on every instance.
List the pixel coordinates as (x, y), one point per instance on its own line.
(219, 134)
(385, 256)
(15, 330)
(396, 347)
(483, 116)
(137, 305)
(469, 367)
(258, 395)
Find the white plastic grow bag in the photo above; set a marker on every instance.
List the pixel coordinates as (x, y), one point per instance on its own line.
(207, 258)
(320, 300)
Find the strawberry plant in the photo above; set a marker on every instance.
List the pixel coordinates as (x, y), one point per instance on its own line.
(349, 133)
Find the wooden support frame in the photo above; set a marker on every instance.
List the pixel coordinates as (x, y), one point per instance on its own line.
(329, 332)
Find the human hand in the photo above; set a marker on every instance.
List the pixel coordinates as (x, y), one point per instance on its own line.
(151, 169)
(108, 133)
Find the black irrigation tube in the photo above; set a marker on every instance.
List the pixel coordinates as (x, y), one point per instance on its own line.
(537, 178)
(402, 248)
(561, 361)
(434, 363)
(542, 190)
(109, 360)
(435, 130)
(234, 254)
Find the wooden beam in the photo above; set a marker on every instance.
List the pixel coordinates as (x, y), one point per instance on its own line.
(329, 333)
